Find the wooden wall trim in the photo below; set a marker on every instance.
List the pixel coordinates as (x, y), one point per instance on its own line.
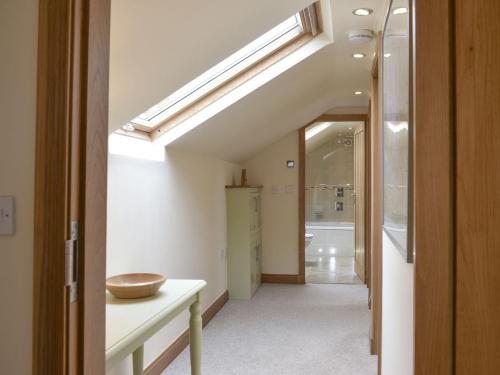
(368, 202)
(376, 195)
(342, 117)
(215, 307)
(282, 279)
(433, 181)
(176, 348)
(302, 204)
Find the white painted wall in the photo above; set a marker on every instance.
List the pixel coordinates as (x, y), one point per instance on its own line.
(280, 217)
(168, 217)
(397, 312)
(18, 46)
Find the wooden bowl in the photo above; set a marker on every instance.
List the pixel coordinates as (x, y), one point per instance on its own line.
(134, 285)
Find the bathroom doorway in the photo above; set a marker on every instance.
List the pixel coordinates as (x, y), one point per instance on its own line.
(334, 201)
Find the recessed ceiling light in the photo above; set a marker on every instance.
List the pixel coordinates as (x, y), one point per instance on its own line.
(350, 128)
(387, 54)
(401, 10)
(362, 12)
(128, 127)
(358, 92)
(358, 55)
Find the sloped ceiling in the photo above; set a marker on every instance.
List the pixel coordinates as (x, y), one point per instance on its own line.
(157, 46)
(334, 130)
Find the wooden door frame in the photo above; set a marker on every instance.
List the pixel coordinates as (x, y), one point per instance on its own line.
(434, 216)
(477, 198)
(72, 111)
(302, 184)
(365, 239)
(434, 158)
(456, 90)
(376, 206)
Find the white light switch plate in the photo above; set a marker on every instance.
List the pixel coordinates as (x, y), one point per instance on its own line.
(6, 215)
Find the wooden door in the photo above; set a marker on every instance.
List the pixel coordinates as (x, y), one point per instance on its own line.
(70, 188)
(477, 150)
(359, 204)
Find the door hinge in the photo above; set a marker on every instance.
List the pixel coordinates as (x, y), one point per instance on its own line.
(71, 260)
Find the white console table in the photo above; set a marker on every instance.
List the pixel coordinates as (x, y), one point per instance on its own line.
(131, 322)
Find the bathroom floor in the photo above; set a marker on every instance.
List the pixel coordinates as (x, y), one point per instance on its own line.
(329, 269)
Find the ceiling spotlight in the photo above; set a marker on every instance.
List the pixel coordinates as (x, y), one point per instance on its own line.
(358, 92)
(387, 54)
(128, 127)
(358, 55)
(401, 10)
(350, 128)
(362, 12)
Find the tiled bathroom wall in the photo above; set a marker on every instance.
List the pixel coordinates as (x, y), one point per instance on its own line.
(329, 167)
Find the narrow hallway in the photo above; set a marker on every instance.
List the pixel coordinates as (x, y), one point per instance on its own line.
(313, 329)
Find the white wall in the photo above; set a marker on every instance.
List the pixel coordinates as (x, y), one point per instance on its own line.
(168, 217)
(280, 208)
(397, 312)
(18, 46)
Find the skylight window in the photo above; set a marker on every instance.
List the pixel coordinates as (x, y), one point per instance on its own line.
(224, 70)
(233, 70)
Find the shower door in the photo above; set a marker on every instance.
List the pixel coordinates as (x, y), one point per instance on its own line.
(359, 204)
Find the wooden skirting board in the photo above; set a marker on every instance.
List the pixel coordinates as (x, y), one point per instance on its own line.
(282, 279)
(165, 358)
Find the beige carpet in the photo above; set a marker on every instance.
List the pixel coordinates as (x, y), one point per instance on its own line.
(316, 329)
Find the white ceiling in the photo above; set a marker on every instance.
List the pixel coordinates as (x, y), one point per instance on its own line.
(157, 46)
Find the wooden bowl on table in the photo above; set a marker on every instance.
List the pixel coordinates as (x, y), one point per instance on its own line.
(134, 285)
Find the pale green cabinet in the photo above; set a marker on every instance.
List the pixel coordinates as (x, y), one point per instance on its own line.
(244, 243)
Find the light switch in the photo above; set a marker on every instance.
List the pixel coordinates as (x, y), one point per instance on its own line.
(6, 215)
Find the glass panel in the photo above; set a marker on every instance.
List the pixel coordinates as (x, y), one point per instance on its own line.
(397, 125)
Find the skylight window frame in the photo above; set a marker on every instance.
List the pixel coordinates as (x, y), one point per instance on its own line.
(156, 124)
(241, 63)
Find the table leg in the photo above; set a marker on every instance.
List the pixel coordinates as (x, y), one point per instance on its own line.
(195, 326)
(138, 360)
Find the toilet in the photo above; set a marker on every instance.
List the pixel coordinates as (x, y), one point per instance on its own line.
(309, 238)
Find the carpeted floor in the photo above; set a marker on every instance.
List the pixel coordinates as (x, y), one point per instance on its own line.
(315, 329)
